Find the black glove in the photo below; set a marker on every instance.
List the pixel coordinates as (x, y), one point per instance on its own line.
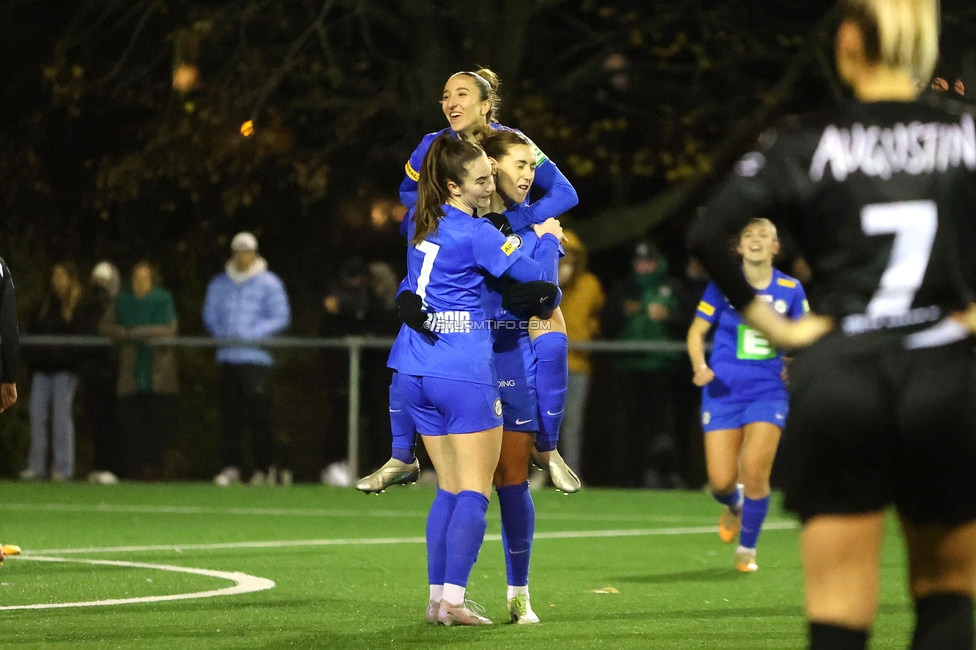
(411, 309)
(529, 299)
(500, 221)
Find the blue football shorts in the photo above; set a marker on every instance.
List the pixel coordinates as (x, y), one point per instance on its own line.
(717, 414)
(441, 406)
(520, 404)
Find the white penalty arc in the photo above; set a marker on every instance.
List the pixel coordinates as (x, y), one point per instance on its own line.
(243, 584)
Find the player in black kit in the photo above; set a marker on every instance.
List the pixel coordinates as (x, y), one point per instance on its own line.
(9, 358)
(881, 196)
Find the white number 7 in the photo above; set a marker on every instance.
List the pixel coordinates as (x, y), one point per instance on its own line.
(430, 251)
(914, 224)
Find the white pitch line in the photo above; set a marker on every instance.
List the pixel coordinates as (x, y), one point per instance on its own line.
(316, 512)
(570, 534)
(243, 584)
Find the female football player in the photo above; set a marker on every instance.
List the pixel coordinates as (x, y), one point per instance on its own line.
(880, 194)
(448, 388)
(744, 399)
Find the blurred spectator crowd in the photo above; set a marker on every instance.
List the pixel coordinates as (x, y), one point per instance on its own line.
(642, 431)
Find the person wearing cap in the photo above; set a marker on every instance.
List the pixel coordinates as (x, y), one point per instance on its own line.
(99, 375)
(248, 302)
(643, 307)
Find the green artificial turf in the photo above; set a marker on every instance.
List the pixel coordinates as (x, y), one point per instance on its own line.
(674, 590)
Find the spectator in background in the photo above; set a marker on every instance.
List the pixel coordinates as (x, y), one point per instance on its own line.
(644, 307)
(147, 380)
(246, 301)
(55, 378)
(99, 374)
(361, 302)
(582, 303)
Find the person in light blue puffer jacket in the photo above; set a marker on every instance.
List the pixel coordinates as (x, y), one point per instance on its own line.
(246, 301)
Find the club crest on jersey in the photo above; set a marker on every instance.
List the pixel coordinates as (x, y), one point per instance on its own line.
(706, 417)
(498, 407)
(780, 306)
(515, 241)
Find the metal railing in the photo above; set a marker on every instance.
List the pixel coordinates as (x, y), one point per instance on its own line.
(355, 345)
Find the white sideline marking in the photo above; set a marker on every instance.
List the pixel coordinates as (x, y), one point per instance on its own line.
(316, 512)
(569, 534)
(243, 584)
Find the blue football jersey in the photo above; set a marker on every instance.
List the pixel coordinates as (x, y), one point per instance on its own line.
(746, 366)
(447, 270)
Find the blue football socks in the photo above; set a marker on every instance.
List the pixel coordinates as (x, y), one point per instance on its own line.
(733, 499)
(438, 519)
(753, 514)
(551, 378)
(518, 527)
(465, 534)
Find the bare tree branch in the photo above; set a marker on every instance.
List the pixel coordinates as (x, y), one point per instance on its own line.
(619, 226)
(156, 4)
(289, 61)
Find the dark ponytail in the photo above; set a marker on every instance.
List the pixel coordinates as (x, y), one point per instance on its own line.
(445, 161)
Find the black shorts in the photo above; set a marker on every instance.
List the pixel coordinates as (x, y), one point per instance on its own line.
(870, 428)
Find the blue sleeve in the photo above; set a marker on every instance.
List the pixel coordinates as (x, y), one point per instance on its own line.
(277, 311)
(799, 306)
(404, 286)
(492, 250)
(527, 269)
(210, 311)
(560, 197)
(547, 252)
(408, 186)
(711, 305)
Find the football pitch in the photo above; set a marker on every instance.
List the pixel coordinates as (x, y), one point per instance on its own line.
(190, 566)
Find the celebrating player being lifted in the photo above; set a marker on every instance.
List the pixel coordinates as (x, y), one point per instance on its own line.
(470, 103)
(744, 398)
(881, 195)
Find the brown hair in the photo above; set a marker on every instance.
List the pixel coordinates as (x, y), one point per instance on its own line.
(488, 84)
(499, 142)
(70, 301)
(897, 33)
(446, 160)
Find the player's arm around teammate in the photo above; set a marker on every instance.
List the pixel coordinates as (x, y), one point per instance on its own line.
(470, 102)
(448, 387)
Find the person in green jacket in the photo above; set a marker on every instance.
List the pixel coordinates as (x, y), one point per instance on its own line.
(644, 307)
(147, 374)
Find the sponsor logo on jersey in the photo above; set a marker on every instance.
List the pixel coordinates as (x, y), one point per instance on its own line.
(508, 248)
(914, 149)
(498, 407)
(706, 309)
(448, 322)
(506, 383)
(412, 173)
(515, 241)
(780, 306)
(783, 282)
